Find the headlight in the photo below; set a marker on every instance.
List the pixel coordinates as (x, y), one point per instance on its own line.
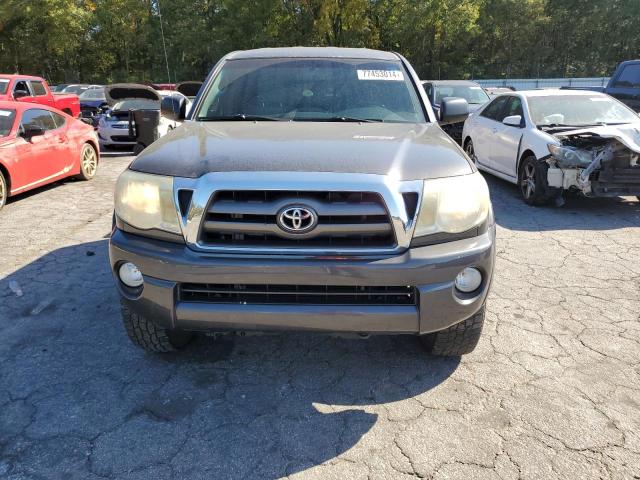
(570, 156)
(145, 201)
(453, 205)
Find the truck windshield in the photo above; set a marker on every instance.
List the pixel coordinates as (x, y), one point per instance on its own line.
(579, 110)
(472, 94)
(4, 83)
(312, 89)
(6, 121)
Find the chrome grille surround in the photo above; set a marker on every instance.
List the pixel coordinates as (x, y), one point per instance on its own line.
(385, 186)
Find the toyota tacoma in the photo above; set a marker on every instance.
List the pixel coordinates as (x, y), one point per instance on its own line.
(308, 189)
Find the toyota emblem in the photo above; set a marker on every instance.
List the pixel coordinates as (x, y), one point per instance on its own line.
(297, 219)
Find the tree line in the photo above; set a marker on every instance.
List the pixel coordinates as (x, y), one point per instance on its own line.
(105, 41)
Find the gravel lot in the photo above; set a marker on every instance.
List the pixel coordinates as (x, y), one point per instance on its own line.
(553, 390)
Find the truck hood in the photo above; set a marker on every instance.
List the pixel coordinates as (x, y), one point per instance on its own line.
(628, 135)
(72, 97)
(405, 151)
(129, 91)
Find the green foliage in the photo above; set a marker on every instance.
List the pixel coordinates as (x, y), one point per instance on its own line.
(120, 40)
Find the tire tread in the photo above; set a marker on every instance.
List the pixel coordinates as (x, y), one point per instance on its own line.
(146, 334)
(458, 339)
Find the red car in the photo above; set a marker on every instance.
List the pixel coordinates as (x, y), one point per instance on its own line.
(40, 145)
(24, 88)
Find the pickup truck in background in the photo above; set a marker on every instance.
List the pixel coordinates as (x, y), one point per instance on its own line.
(24, 88)
(624, 84)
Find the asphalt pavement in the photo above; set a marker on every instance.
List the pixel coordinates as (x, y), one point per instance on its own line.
(552, 391)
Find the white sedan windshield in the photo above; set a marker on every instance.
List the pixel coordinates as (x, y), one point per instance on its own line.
(579, 110)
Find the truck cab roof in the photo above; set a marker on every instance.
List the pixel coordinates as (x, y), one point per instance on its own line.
(313, 52)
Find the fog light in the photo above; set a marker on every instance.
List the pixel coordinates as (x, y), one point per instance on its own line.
(468, 280)
(130, 275)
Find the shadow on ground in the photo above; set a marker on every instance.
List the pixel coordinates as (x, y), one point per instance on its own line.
(77, 400)
(578, 213)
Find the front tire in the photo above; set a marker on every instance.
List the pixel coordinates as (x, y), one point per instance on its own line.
(458, 339)
(148, 336)
(4, 190)
(532, 181)
(138, 148)
(88, 162)
(468, 149)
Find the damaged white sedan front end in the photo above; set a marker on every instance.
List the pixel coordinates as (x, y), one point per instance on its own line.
(549, 142)
(597, 162)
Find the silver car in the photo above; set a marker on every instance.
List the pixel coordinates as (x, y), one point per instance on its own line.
(113, 126)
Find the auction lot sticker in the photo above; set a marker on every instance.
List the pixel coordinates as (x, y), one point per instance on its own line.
(395, 75)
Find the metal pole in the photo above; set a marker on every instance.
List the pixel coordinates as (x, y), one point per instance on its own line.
(164, 45)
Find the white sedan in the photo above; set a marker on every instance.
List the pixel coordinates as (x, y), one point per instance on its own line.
(551, 141)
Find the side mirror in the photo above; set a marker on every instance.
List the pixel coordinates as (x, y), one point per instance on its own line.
(453, 110)
(20, 94)
(174, 107)
(32, 131)
(513, 121)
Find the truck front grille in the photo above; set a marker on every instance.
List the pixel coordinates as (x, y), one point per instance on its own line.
(249, 219)
(297, 294)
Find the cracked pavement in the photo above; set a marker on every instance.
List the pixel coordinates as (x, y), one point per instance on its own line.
(552, 391)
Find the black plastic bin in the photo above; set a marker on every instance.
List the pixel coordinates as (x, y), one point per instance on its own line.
(143, 126)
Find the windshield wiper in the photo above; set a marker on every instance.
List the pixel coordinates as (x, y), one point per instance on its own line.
(241, 117)
(341, 119)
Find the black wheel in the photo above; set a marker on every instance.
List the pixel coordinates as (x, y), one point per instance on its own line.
(4, 190)
(138, 148)
(88, 162)
(149, 336)
(532, 181)
(468, 149)
(456, 340)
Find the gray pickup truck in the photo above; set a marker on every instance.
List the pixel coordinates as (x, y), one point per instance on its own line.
(624, 84)
(308, 189)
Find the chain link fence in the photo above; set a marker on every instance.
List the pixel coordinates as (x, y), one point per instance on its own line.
(534, 83)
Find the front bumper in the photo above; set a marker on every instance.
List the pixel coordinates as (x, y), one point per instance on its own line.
(431, 269)
(110, 136)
